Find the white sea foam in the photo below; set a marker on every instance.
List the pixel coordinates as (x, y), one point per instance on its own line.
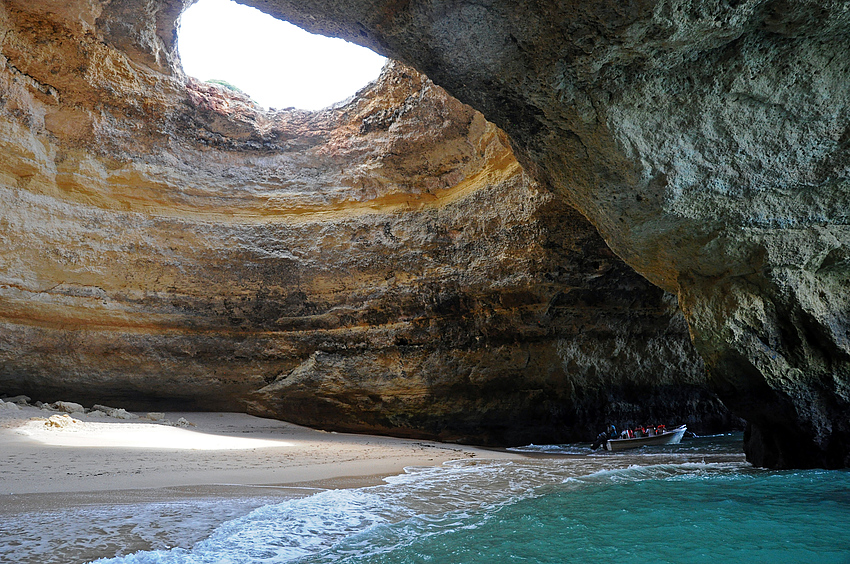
(299, 528)
(416, 504)
(287, 531)
(279, 532)
(65, 536)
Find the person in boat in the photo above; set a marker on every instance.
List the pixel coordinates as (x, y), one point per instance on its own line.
(609, 433)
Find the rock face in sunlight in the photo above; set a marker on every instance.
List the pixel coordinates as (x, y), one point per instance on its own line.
(383, 266)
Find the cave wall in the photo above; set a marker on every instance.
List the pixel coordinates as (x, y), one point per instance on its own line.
(708, 143)
(385, 265)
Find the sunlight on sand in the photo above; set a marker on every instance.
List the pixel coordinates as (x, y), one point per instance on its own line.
(139, 435)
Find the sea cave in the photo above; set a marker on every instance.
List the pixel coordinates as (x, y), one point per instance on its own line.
(541, 217)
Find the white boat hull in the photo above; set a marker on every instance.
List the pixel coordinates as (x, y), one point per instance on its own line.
(672, 437)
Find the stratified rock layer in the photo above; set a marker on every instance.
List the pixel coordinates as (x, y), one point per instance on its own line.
(384, 265)
(708, 141)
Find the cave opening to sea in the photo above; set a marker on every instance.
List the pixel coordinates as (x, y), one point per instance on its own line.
(276, 63)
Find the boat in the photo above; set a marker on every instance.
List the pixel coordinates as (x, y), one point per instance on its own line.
(671, 437)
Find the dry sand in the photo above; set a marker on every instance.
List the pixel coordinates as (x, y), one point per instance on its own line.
(101, 454)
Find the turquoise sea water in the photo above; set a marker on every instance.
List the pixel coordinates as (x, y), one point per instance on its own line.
(690, 504)
(656, 514)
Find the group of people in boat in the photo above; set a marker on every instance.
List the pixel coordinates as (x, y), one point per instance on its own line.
(642, 431)
(637, 432)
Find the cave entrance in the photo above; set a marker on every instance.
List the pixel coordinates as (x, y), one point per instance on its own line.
(276, 63)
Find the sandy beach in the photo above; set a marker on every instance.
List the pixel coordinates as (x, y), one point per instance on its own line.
(94, 454)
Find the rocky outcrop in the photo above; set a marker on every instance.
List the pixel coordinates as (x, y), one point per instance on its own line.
(385, 265)
(708, 143)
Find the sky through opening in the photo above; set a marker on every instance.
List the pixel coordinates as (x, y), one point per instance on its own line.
(276, 63)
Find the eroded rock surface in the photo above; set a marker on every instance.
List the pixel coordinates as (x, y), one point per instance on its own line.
(706, 140)
(385, 265)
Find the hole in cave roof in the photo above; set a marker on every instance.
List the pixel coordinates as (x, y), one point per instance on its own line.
(276, 63)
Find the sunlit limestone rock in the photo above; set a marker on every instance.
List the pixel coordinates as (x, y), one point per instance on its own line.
(385, 265)
(63, 421)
